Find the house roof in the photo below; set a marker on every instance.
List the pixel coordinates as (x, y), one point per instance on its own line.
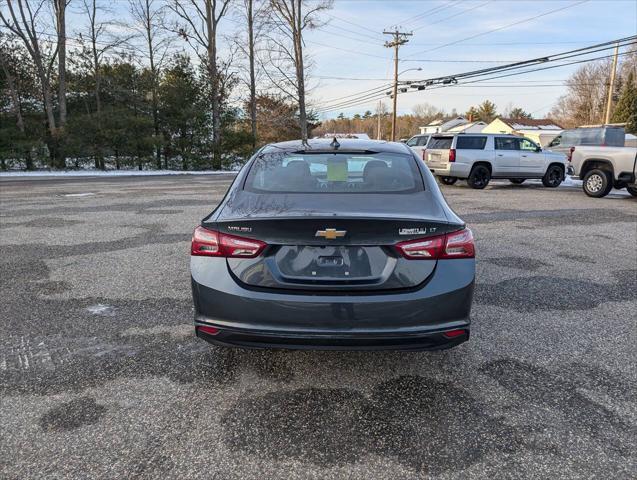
(532, 123)
(440, 121)
(465, 126)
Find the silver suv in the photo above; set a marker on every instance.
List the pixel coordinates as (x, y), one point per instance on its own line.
(480, 157)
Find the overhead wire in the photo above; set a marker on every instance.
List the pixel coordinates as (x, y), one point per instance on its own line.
(492, 73)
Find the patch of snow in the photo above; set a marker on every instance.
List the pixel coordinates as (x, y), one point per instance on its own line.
(100, 309)
(87, 194)
(113, 173)
(571, 182)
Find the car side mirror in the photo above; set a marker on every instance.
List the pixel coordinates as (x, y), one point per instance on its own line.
(538, 149)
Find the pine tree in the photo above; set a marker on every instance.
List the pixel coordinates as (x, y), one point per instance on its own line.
(472, 114)
(626, 108)
(518, 112)
(487, 111)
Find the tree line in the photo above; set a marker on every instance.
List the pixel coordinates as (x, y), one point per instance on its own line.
(156, 84)
(156, 87)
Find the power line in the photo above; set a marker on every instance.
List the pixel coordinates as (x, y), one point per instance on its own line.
(517, 65)
(361, 40)
(475, 75)
(431, 11)
(362, 27)
(345, 50)
(452, 16)
(503, 27)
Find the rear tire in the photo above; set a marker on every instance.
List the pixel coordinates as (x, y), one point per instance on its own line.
(597, 183)
(479, 177)
(632, 191)
(448, 180)
(517, 181)
(553, 177)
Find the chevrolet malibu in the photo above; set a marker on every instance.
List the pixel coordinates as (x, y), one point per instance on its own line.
(342, 244)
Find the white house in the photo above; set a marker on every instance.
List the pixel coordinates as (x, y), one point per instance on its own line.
(471, 127)
(542, 130)
(438, 126)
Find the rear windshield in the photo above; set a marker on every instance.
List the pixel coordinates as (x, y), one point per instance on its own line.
(471, 143)
(418, 140)
(440, 143)
(594, 136)
(334, 172)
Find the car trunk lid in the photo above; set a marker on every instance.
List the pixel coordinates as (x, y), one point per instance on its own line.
(312, 248)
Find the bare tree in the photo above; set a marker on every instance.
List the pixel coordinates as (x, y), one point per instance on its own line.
(5, 64)
(148, 17)
(25, 20)
(100, 43)
(11, 70)
(199, 25)
(59, 7)
(252, 13)
(289, 18)
(585, 100)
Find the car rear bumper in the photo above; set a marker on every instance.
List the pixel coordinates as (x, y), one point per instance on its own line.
(414, 319)
(453, 169)
(336, 341)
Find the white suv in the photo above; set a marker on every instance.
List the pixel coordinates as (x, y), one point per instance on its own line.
(418, 142)
(480, 157)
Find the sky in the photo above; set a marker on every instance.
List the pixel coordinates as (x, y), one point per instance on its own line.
(348, 56)
(351, 45)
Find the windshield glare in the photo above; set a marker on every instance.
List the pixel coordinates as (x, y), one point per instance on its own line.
(334, 172)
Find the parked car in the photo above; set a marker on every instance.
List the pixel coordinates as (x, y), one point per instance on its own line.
(602, 168)
(347, 244)
(603, 135)
(418, 142)
(480, 157)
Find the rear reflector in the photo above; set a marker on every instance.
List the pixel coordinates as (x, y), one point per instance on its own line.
(210, 243)
(454, 333)
(208, 330)
(450, 245)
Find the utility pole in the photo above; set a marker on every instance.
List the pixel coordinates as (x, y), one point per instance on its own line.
(380, 109)
(399, 38)
(611, 87)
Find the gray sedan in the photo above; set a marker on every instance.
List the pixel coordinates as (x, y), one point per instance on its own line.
(342, 244)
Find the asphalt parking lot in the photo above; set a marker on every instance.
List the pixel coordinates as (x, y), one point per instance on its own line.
(102, 377)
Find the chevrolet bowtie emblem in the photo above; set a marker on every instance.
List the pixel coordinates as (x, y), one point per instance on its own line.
(330, 233)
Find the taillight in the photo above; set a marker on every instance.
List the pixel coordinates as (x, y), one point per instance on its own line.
(423, 249)
(459, 245)
(424, 154)
(240, 247)
(450, 245)
(211, 243)
(205, 242)
(570, 153)
(452, 155)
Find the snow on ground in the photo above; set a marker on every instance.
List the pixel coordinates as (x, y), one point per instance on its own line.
(111, 173)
